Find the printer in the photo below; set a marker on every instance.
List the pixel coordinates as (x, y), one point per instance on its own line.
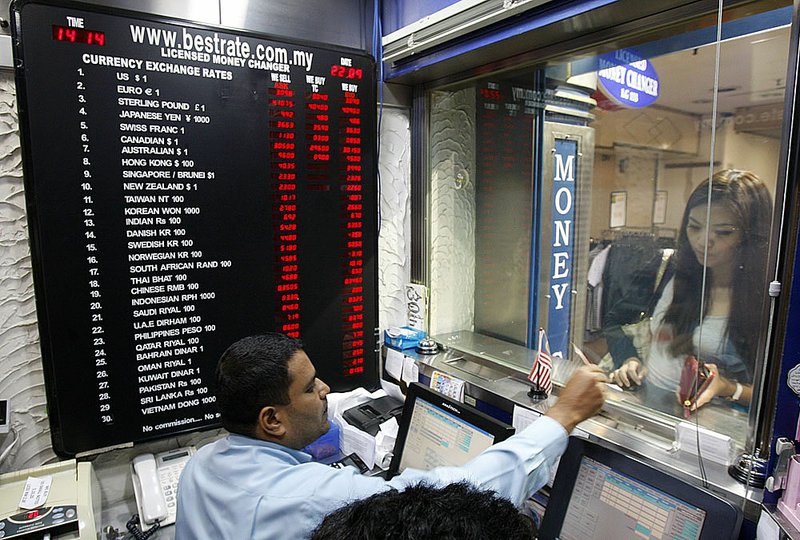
(369, 416)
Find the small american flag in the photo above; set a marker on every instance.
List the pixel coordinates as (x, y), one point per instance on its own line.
(543, 365)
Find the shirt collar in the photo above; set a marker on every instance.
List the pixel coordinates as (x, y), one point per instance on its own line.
(242, 440)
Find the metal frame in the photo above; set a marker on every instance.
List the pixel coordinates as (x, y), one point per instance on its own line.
(781, 343)
(455, 20)
(547, 32)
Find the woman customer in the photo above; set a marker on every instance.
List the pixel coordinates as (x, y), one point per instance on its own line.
(719, 269)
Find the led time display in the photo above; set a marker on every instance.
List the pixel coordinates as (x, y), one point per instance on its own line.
(78, 35)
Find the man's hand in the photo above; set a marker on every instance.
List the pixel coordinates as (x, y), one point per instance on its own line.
(581, 397)
(631, 372)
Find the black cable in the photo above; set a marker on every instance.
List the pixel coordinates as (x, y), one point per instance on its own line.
(138, 533)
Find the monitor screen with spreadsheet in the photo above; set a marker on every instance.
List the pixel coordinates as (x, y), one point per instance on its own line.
(599, 493)
(436, 430)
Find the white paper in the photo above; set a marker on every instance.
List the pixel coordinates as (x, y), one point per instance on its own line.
(384, 447)
(390, 427)
(35, 493)
(410, 370)
(393, 390)
(522, 417)
(394, 363)
(714, 446)
(360, 442)
(338, 402)
(384, 443)
(379, 393)
(767, 528)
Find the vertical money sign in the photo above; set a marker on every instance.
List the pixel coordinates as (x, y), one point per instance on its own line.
(563, 217)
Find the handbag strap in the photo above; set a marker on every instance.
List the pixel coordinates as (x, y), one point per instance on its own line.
(665, 272)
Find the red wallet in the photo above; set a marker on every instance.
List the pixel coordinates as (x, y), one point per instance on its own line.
(695, 377)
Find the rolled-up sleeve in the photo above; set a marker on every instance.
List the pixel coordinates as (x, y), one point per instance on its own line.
(514, 468)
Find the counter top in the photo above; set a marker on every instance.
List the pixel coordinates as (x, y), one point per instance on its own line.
(495, 372)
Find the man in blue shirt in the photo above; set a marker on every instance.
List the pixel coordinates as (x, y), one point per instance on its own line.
(256, 483)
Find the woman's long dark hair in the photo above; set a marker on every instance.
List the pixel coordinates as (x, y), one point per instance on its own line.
(750, 202)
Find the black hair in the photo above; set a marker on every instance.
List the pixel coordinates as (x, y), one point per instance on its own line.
(748, 198)
(424, 512)
(252, 374)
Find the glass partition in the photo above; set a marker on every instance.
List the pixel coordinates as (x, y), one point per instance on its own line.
(620, 198)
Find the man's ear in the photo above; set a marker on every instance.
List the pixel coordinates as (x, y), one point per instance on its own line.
(270, 422)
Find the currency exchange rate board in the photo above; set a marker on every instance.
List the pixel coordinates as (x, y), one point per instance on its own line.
(188, 186)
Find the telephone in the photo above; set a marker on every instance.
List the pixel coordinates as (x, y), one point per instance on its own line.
(155, 484)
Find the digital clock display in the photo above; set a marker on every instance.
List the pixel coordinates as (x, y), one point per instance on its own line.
(78, 35)
(346, 72)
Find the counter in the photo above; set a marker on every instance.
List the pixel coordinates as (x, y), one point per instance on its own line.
(495, 376)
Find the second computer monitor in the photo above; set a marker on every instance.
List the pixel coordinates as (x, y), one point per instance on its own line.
(602, 494)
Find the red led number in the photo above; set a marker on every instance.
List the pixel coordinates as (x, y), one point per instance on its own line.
(66, 34)
(346, 72)
(96, 37)
(78, 35)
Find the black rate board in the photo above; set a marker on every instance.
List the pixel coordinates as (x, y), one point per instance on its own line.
(188, 186)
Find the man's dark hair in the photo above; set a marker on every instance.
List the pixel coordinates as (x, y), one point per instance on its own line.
(252, 374)
(423, 512)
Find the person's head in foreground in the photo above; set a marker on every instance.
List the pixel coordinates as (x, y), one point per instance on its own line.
(423, 512)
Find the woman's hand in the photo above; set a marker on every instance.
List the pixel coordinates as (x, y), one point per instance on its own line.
(631, 372)
(720, 386)
(716, 387)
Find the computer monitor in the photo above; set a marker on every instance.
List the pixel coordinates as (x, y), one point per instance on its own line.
(600, 493)
(436, 430)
